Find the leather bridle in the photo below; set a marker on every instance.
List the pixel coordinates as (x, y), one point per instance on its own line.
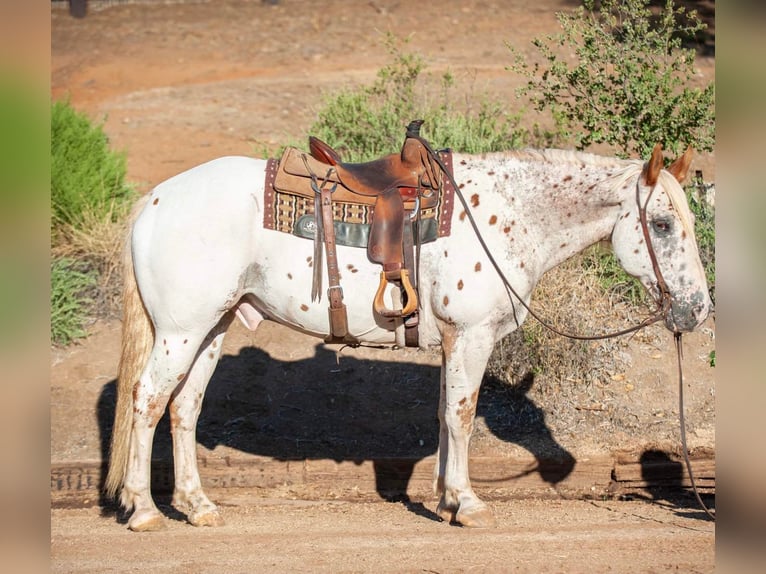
(662, 298)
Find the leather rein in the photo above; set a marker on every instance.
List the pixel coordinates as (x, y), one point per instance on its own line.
(662, 299)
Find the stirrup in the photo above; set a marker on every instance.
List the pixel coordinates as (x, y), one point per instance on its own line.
(412, 298)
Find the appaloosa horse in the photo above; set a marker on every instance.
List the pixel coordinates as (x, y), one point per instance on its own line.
(198, 255)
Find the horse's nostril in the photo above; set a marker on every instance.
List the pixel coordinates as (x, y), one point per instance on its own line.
(699, 312)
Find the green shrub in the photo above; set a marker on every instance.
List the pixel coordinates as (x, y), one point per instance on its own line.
(366, 122)
(87, 177)
(90, 200)
(619, 75)
(71, 285)
(704, 230)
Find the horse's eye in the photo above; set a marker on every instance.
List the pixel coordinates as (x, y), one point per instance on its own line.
(662, 226)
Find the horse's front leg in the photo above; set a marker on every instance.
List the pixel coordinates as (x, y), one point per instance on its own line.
(464, 359)
(185, 407)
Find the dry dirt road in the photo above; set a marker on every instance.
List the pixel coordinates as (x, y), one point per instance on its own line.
(268, 535)
(178, 83)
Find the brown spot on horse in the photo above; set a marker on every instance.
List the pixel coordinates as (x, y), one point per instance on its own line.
(467, 410)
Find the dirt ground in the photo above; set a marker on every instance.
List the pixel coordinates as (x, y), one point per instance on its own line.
(178, 83)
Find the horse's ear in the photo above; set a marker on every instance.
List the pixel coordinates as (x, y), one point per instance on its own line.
(653, 166)
(680, 168)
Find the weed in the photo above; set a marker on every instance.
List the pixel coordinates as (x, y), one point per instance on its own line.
(704, 229)
(71, 288)
(599, 261)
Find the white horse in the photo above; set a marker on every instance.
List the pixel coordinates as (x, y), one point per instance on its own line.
(198, 256)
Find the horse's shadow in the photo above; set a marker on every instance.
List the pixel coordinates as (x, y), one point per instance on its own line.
(663, 476)
(348, 410)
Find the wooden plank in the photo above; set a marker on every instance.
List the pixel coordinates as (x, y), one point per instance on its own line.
(501, 475)
(497, 477)
(663, 470)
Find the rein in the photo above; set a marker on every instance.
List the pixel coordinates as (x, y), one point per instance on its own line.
(662, 300)
(682, 422)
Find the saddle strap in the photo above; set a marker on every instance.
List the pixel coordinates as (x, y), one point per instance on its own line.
(316, 283)
(411, 321)
(337, 311)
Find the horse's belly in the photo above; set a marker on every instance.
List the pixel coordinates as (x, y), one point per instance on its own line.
(282, 288)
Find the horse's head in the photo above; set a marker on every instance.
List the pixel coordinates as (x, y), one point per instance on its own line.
(671, 267)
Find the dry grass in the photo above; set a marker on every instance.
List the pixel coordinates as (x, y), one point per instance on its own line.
(569, 381)
(572, 301)
(97, 241)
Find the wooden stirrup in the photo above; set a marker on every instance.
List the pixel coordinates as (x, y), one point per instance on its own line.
(412, 299)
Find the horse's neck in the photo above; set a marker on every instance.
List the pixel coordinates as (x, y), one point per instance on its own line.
(568, 201)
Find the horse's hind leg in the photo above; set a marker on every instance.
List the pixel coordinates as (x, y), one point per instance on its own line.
(169, 363)
(185, 406)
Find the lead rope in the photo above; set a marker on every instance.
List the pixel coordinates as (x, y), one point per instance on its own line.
(679, 351)
(662, 301)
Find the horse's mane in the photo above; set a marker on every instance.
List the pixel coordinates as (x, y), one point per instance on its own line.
(629, 169)
(551, 155)
(678, 201)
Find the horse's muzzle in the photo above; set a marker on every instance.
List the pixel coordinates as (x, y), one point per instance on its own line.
(686, 315)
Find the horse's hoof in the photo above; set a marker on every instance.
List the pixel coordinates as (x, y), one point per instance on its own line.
(446, 513)
(146, 521)
(476, 518)
(207, 518)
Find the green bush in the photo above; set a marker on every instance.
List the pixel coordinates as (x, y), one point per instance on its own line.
(619, 75)
(89, 204)
(366, 122)
(87, 177)
(704, 230)
(71, 285)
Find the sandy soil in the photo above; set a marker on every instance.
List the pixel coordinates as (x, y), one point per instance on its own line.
(321, 536)
(178, 83)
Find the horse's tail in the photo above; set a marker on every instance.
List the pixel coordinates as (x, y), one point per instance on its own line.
(137, 342)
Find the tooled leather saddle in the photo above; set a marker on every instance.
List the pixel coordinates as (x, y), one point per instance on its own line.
(396, 188)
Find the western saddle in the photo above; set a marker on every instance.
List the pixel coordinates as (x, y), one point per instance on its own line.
(397, 187)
